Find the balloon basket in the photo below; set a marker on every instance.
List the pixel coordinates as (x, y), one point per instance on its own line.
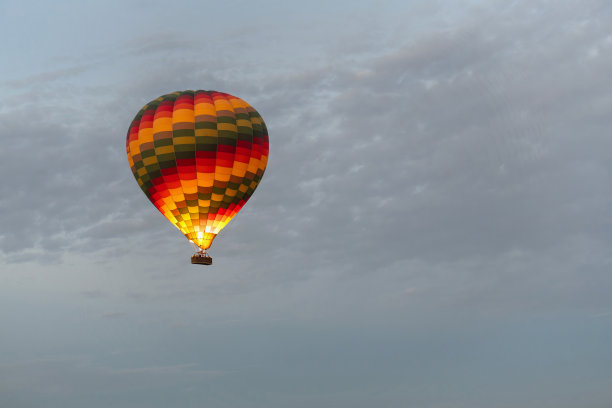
(201, 258)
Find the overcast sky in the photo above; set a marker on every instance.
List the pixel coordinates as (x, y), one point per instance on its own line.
(434, 227)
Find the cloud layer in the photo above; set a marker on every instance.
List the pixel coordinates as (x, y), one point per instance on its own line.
(434, 169)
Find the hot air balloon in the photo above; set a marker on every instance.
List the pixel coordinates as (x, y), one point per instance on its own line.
(198, 156)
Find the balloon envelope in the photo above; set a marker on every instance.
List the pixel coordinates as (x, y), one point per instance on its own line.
(198, 156)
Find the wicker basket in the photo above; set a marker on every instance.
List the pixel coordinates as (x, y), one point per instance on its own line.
(201, 259)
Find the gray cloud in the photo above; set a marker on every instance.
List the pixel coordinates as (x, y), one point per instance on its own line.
(45, 78)
(438, 187)
(47, 378)
(453, 145)
(113, 315)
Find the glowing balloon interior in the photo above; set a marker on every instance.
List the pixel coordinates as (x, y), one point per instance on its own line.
(198, 156)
